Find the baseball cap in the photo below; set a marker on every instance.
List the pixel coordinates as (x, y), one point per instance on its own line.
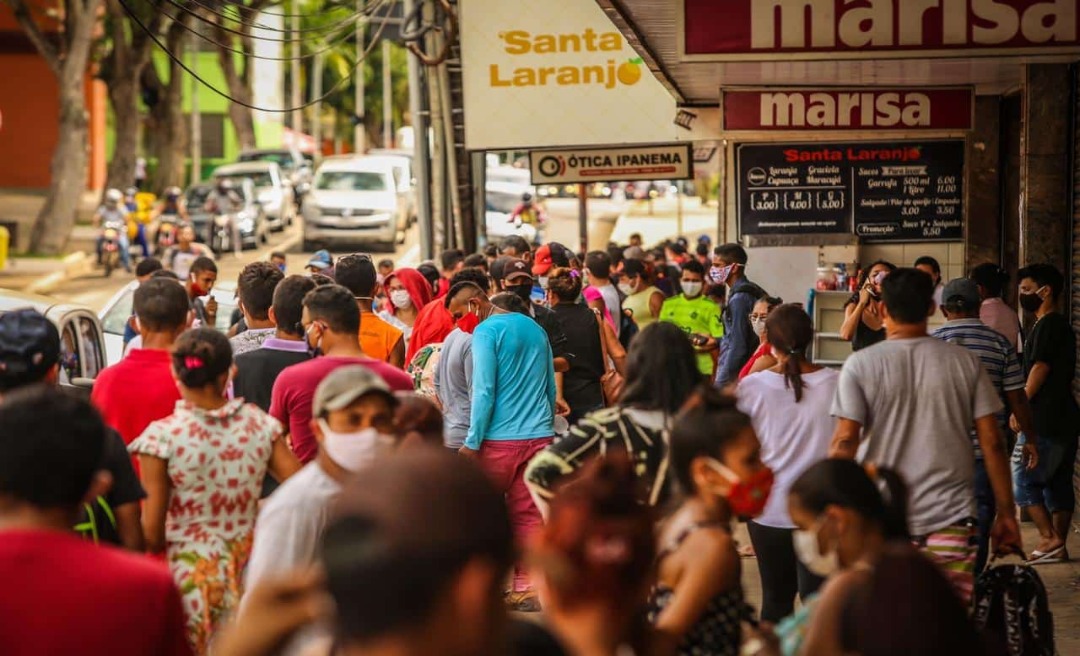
(542, 261)
(345, 385)
(321, 260)
(29, 347)
(962, 292)
(515, 268)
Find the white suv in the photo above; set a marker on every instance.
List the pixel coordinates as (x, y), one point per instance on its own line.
(352, 200)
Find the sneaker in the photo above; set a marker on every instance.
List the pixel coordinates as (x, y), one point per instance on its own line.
(522, 602)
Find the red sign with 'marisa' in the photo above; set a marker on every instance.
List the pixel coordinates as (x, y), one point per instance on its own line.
(840, 29)
(867, 108)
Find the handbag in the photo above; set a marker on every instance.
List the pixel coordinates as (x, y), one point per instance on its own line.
(611, 382)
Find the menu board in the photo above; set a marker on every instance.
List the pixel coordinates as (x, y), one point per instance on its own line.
(887, 191)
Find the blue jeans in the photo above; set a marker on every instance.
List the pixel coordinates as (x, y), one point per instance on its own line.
(1050, 483)
(140, 239)
(985, 508)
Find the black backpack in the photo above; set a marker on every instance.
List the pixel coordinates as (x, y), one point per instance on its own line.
(1011, 610)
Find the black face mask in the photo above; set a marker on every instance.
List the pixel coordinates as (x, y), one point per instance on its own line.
(1030, 302)
(524, 292)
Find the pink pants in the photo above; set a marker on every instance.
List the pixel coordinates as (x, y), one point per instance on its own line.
(505, 462)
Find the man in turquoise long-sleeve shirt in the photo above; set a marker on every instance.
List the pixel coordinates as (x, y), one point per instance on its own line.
(513, 412)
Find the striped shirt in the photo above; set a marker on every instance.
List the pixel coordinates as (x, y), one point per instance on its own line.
(998, 358)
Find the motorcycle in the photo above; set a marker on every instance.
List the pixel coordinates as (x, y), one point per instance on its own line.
(110, 249)
(224, 236)
(166, 233)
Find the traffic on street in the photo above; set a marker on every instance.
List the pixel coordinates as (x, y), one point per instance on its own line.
(561, 327)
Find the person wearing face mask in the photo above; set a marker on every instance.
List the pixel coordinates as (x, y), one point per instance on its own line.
(739, 341)
(1049, 362)
(698, 316)
(517, 280)
(203, 469)
(643, 300)
(697, 605)
(434, 322)
(845, 518)
(330, 322)
(352, 418)
(789, 405)
(408, 291)
(863, 323)
(762, 358)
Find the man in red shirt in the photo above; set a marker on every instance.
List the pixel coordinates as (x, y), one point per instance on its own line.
(435, 322)
(62, 594)
(331, 322)
(140, 388)
(452, 261)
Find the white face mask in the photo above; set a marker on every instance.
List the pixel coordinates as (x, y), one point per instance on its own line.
(543, 282)
(759, 326)
(692, 289)
(626, 288)
(400, 298)
(354, 450)
(808, 551)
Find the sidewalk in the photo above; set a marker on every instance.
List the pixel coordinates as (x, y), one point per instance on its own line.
(661, 223)
(19, 207)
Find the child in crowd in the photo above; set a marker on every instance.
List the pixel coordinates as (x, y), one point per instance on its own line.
(203, 468)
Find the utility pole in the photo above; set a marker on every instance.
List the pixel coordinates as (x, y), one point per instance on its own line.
(196, 118)
(359, 140)
(421, 156)
(387, 97)
(583, 218)
(295, 89)
(316, 92)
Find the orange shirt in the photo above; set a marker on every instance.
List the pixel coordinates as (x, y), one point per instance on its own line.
(377, 337)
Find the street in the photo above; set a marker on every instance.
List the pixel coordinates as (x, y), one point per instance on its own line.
(95, 290)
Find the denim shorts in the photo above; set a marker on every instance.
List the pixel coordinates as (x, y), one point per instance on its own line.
(1050, 483)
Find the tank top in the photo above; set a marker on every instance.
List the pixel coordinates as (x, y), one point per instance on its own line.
(638, 304)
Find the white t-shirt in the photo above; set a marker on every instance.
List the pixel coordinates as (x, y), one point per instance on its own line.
(793, 435)
(291, 522)
(917, 400)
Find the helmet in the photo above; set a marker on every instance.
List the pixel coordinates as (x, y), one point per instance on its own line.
(113, 196)
(130, 192)
(172, 192)
(225, 184)
(526, 196)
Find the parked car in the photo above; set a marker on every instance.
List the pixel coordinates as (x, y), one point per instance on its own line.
(82, 339)
(295, 166)
(353, 199)
(273, 192)
(114, 316)
(402, 163)
(254, 228)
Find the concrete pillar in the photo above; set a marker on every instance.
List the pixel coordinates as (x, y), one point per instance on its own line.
(983, 235)
(1045, 223)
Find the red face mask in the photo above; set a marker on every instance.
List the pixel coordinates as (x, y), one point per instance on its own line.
(747, 498)
(468, 323)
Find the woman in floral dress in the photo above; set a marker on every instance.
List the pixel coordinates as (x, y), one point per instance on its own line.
(203, 468)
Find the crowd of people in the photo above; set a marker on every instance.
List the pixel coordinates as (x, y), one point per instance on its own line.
(370, 459)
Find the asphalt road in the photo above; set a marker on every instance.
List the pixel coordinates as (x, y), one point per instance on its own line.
(95, 290)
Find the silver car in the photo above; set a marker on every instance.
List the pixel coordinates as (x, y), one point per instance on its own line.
(353, 200)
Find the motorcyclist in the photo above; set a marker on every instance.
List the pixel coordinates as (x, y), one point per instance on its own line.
(131, 202)
(172, 209)
(224, 199)
(113, 214)
(527, 211)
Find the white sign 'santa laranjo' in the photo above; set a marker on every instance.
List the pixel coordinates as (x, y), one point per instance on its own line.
(539, 73)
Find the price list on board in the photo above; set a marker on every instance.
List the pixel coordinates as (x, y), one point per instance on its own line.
(898, 191)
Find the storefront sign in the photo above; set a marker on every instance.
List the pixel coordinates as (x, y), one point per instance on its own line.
(875, 29)
(669, 162)
(538, 76)
(891, 191)
(801, 109)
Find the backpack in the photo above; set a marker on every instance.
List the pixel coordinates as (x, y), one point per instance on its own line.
(422, 369)
(1011, 610)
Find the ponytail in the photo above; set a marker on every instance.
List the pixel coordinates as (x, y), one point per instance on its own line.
(790, 331)
(878, 495)
(894, 501)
